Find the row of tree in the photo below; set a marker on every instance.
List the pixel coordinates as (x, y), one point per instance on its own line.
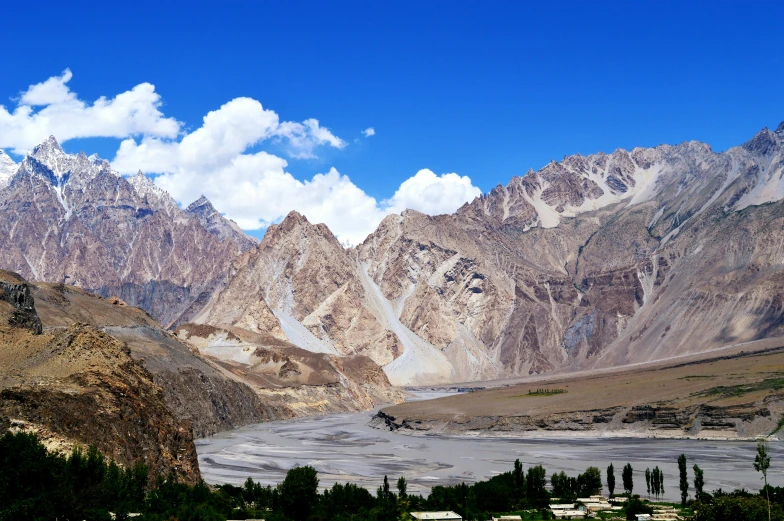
(38, 485)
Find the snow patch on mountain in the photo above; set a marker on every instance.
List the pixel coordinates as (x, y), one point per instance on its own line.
(155, 195)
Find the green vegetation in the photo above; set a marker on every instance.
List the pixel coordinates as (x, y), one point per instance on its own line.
(584, 485)
(628, 479)
(684, 479)
(699, 481)
(778, 426)
(762, 464)
(545, 392)
(730, 391)
(611, 479)
(38, 485)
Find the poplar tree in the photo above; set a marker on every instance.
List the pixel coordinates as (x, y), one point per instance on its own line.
(611, 479)
(762, 464)
(628, 478)
(699, 481)
(684, 478)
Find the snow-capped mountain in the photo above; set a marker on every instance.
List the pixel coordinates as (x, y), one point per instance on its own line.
(591, 261)
(69, 217)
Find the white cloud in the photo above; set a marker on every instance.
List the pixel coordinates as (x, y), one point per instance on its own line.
(134, 112)
(304, 137)
(219, 159)
(370, 131)
(431, 194)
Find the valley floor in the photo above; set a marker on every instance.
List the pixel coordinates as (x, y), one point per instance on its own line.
(342, 447)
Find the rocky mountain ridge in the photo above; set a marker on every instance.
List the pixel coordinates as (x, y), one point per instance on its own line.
(71, 218)
(592, 261)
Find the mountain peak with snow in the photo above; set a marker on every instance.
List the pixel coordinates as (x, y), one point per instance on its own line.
(154, 194)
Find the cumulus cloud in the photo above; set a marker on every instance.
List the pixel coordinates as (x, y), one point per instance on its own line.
(221, 159)
(256, 190)
(370, 131)
(51, 107)
(304, 137)
(432, 194)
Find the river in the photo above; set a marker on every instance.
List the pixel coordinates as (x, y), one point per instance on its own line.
(343, 448)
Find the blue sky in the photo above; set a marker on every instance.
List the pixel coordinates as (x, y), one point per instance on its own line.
(485, 90)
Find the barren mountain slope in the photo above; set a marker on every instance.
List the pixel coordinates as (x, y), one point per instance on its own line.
(80, 386)
(290, 378)
(71, 218)
(592, 261)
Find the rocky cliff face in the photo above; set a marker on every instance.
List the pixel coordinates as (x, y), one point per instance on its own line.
(592, 261)
(70, 218)
(79, 386)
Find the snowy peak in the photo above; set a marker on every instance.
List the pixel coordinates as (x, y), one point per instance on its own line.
(155, 196)
(52, 155)
(62, 166)
(580, 184)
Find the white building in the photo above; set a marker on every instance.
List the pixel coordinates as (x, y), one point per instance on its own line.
(569, 514)
(436, 516)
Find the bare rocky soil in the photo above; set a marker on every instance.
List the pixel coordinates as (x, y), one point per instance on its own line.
(737, 395)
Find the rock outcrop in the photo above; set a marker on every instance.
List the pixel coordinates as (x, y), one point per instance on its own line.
(80, 386)
(15, 291)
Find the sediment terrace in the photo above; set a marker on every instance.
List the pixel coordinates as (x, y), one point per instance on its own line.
(737, 395)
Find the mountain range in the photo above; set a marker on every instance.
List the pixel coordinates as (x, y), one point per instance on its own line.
(590, 262)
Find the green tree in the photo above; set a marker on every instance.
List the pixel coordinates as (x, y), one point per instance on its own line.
(762, 464)
(299, 492)
(635, 506)
(611, 479)
(402, 486)
(590, 482)
(519, 480)
(648, 481)
(684, 478)
(699, 481)
(736, 508)
(628, 478)
(655, 485)
(536, 482)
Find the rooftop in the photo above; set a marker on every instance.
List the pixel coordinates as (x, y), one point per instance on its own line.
(436, 516)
